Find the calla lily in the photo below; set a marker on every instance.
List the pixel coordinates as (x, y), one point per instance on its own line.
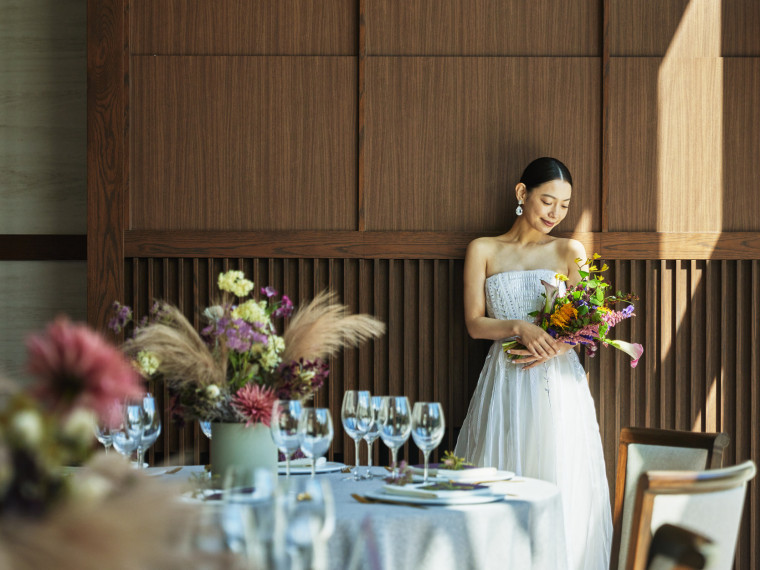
(634, 350)
(551, 295)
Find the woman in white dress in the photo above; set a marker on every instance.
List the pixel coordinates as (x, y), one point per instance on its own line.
(535, 416)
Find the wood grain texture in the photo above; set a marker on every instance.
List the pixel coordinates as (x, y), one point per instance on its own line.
(241, 27)
(687, 28)
(678, 144)
(243, 143)
(43, 117)
(484, 27)
(446, 139)
(107, 156)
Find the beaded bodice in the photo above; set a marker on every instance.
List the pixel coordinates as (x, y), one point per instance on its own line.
(514, 294)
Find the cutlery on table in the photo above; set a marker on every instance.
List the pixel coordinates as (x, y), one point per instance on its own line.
(368, 501)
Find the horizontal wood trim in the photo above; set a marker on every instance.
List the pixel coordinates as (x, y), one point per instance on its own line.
(425, 245)
(22, 247)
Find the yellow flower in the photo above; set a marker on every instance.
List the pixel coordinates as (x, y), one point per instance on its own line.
(596, 256)
(235, 282)
(562, 316)
(270, 359)
(252, 312)
(147, 363)
(560, 277)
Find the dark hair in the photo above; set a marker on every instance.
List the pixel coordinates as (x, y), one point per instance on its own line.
(544, 169)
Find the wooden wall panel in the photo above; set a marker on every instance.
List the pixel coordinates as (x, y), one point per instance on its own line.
(446, 139)
(687, 28)
(484, 27)
(677, 143)
(243, 143)
(241, 27)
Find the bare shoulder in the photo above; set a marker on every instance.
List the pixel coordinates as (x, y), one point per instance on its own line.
(481, 247)
(570, 250)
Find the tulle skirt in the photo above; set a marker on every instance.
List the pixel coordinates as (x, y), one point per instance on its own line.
(541, 423)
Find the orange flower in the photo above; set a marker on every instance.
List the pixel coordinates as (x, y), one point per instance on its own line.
(562, 316)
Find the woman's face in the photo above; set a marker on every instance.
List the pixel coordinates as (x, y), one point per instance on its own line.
(546, 205)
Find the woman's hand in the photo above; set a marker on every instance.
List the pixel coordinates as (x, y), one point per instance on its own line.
(537, 341)
(530, 360)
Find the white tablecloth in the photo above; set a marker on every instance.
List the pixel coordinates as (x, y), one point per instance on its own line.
(524, 531)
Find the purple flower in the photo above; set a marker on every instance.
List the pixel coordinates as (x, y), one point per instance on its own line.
(122, 315)
(286, 309)
(269, 291)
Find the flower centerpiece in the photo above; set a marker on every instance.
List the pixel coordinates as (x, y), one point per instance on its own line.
(53, 516)
(234, 369)
(584, 313)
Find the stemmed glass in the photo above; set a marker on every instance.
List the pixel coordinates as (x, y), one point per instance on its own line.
(127, 437)
(284, 427)
(357, 417)
(310, 513)
(151, 427)
(205, 428)
(428, 426)
(103, 435)
(373, 433)
(395, 424)
(315, 433)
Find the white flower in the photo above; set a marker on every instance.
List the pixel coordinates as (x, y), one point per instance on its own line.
(90, 488)
(80, 426)
(26, 427)
(212, 391)
(214, 313)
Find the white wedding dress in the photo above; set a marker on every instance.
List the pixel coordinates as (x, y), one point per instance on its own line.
(541, 423)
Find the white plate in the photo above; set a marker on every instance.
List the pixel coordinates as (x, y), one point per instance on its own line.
(458, 500)
(327, 467)
(495, 476)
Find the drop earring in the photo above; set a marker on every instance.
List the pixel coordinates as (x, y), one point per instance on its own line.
(518, 211)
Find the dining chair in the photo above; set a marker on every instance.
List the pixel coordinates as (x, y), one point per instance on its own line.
(707, 502)
(650, 449)
(677, 548)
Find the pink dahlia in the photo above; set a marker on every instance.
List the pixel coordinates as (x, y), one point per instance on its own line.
(255, 403)
(77, 367)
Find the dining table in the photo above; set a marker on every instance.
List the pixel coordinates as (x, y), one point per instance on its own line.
(522, 529)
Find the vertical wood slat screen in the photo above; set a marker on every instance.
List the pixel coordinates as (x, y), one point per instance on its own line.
(682, 382)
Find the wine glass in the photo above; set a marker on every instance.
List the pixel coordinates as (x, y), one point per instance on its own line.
(315, 433)
(205, 428)
(373, 433)
(428, 426)
(356, 415)
(151, 427)
(310, 512)
(395, 424)
(127, 436)
(284, 427)
(103, 435)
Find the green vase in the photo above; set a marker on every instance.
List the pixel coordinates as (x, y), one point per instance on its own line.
(235, 444)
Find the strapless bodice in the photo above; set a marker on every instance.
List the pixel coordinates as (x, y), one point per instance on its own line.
(514, 294)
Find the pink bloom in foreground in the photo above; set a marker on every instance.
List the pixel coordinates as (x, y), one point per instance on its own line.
(77, 367)
(255, 403)
(634, 350)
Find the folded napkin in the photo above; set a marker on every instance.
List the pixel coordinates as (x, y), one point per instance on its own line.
(466, 474)
(433, 491)
(303, 462)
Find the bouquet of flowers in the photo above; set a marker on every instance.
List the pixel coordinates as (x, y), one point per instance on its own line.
(234, 369)
(583, 314)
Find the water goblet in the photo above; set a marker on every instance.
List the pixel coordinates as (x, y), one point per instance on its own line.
(151, 427)
(373, 433)
(395, 424)
(310, 512)
(315, 433)
(428, 426)
(284, 428)
(356, 415)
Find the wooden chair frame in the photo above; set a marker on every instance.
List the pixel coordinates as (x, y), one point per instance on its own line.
(654, 483)
(713, 443)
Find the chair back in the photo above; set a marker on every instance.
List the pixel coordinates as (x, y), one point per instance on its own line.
(649, 449)
(677, 548)
(706, 502)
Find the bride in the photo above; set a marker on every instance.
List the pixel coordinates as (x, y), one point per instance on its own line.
(535, 416)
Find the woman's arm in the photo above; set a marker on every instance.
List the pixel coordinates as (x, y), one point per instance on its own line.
(538, 342)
